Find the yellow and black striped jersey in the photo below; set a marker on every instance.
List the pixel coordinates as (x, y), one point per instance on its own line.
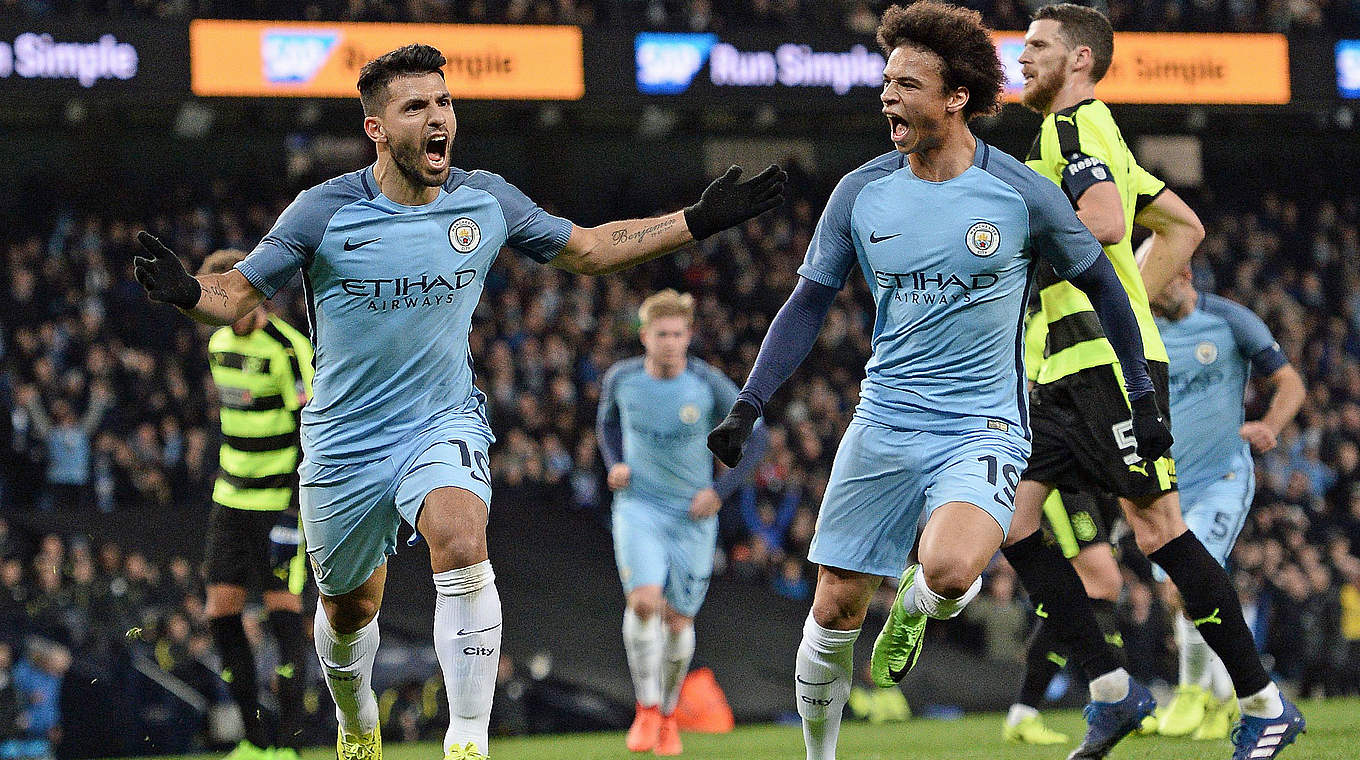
(1077, 148)
(263, 379)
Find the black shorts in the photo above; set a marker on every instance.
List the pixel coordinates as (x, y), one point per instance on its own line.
(256, 549)
(1074, 520)
(1083, 436)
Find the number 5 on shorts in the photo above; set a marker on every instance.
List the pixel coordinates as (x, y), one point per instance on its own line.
(1124, 441)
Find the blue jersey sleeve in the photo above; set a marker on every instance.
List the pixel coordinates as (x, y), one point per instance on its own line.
(831, 254)
(290, 245)
(532, 231)
(608, 426)
(1055, 231)
(1253, 338)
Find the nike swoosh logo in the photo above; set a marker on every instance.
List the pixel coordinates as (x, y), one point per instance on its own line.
(355, 246)
(874, 238)
(799, 679)
(462, 632)
(897, 674)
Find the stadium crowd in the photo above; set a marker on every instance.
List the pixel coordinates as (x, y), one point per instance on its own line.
(106, 408)
(857, 16)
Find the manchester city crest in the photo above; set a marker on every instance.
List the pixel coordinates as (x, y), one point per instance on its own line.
(464, 235)
(689, 414)
(1206, 352)
(983, 239)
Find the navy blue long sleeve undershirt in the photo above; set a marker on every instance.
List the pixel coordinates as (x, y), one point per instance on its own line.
(1101, 285)
(791, 337)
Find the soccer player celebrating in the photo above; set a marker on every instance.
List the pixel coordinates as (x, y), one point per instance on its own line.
(1082, 435)
(394, 258)
(263, 371)
(1215, 344)
(948, 231)
(654, 413)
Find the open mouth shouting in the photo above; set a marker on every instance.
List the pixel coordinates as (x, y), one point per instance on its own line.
(437, 151)
(899, 128)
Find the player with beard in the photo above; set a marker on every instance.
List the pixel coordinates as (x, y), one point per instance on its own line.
(947, 231)
(1082, 435)
(394, 258)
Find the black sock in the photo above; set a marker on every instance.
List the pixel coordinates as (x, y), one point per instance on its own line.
(1042, 662)
(292, 671)
(1107, 617)
(238, 670)
(1212, 603)
(1054, 586)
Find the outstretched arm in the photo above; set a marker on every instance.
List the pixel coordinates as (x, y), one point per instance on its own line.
(213, 299)
(788, 342)
(620, 245)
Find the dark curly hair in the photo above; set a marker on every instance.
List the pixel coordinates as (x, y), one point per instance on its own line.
(958, 37)
(1084, 26)
(374, 76)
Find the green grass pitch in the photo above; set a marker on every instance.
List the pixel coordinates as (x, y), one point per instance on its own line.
(1333, 734)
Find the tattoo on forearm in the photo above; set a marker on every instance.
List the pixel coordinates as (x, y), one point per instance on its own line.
(624, 235)
(215, 291)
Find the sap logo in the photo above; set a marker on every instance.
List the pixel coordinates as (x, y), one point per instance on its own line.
(295, 57)
(667, 62)
(479, 651)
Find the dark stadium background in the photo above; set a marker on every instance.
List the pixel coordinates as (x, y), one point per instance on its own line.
(98, 577)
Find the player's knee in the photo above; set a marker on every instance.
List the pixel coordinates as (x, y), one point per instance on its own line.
(677, 623)
(950, 580)
(352, 614)
(644, 604)
(457, 548)
(838, 614)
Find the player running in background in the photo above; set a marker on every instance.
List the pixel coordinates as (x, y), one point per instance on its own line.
(655, 411)
(947, 231)
(394, 258)
(1082, 436)
(1215, 344)
(263, 371)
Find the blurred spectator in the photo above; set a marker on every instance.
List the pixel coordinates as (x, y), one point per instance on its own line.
(67, 438)
(37, 679)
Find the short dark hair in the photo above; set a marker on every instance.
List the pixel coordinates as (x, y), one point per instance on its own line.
(959, 38)
(1084, 26)
(375, 75)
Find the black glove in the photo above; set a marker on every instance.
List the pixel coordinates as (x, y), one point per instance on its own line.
(728, 439)
(163, 276)
(726, 202)
(1150, 429)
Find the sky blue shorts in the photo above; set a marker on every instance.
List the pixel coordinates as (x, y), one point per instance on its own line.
(883, 480)
(1216, 512)
(662, 546)
(351, 512)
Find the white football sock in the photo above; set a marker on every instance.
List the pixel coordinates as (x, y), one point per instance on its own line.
(922, 600)
(1194, 653)
(1111, 687)
(1265, 703)
(1019, 712)
(675, 666)
(347, 662)
(1219, 682)
(822, 685)
(642, 643)
(467, 640)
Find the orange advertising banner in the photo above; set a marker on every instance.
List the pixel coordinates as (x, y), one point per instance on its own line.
(321, 60)
(1151, 67)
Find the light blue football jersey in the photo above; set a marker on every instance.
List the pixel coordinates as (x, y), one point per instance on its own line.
(390, 291)
(665, 426)
(950, 266)
(1213, 351)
